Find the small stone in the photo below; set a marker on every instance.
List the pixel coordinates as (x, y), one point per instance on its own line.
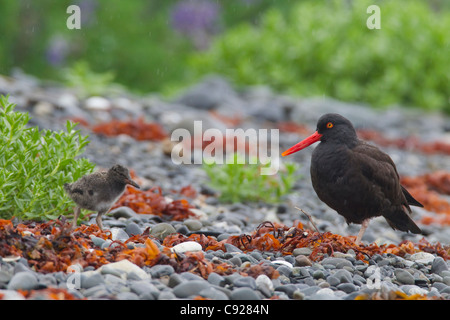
(160, 270)
(97, 240)
(123, 212)
(319, 274)
(343, 276)
(213, 293)
(339, 263)
(422, 257)
(144, 288)
(11, 295)
(284, 263)
(324, 294)
(347, 287)
(301, 251)
(193, 224)
(245, 282)
(91, 279)
(191, 246)
(97, 103)
(302, 261)
(439, 265)
(446, 280)
(190, 288)
(174, 280)
(231, 248)
(404, 276)
(161, 230)
(166, 295)
(129, 268)
(244, 293)
(127, 296)
(265, 285)
(23, 281)
(333, 281)
(118, 234)
(133, 229)
(216, 279)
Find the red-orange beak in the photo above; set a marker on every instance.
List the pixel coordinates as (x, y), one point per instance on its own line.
(303, 144)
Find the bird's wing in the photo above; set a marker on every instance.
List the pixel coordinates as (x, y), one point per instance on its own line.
(379, 169)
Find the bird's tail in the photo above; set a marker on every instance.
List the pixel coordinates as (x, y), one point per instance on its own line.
(410, 199)
(401, 220)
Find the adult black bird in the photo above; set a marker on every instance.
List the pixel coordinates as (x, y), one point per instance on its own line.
(99, 191)
(355, 178)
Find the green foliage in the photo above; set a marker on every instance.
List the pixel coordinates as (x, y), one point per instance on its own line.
(34, 165)
(89, 83)
(325, 48)
(134, 39)
(238, 182)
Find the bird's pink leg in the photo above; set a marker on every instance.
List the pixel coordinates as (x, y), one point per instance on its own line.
(364, 226)
(76, 214)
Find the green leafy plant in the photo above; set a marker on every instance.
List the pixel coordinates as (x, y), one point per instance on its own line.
(325, 48)
(238, 182)
(35, 164)
(88, 82)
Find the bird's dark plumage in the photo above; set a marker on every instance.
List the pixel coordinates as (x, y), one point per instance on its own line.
(355, 178)
(99, 191)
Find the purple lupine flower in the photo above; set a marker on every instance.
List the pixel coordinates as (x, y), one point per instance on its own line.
(193, 15)
(88, 10)
(57, 51)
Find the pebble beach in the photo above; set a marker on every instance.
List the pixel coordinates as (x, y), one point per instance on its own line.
(230, 270)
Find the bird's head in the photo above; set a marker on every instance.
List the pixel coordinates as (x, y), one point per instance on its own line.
(123, 174)
(331, 127)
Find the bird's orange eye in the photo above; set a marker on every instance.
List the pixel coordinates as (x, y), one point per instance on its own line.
(329, 125)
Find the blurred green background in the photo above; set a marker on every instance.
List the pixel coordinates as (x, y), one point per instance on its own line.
(307, 48)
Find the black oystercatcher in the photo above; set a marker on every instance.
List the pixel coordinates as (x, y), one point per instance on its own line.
(356, 179)
(99, 191)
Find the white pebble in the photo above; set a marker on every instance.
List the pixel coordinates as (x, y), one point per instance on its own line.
(422, 257)
(283, 262)
(263, 281)
(191, 246)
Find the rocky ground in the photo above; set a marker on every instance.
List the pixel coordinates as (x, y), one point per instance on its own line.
(389, 265)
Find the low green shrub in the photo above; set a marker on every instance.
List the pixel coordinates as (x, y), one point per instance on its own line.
(238, 182)
(325, 48)
(35, 164)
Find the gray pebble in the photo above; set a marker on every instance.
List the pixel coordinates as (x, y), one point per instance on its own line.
(133, 229)
(230, 248)
(404, 276)
(190, 288)
(439, 265)
(216, 279)
(91, 280)
(118, 234)
(347, 287)
(175, 279)
(144, 288)
(162, 230)
(127, 296)
(123, 212)
(245, 282)
(244, 293)
(337, 262)
(302, 261)
(166, 295)
(23, 281)
(213, 293)
(193, 224)
(302, 251)
(343, 276)
(159, 270)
